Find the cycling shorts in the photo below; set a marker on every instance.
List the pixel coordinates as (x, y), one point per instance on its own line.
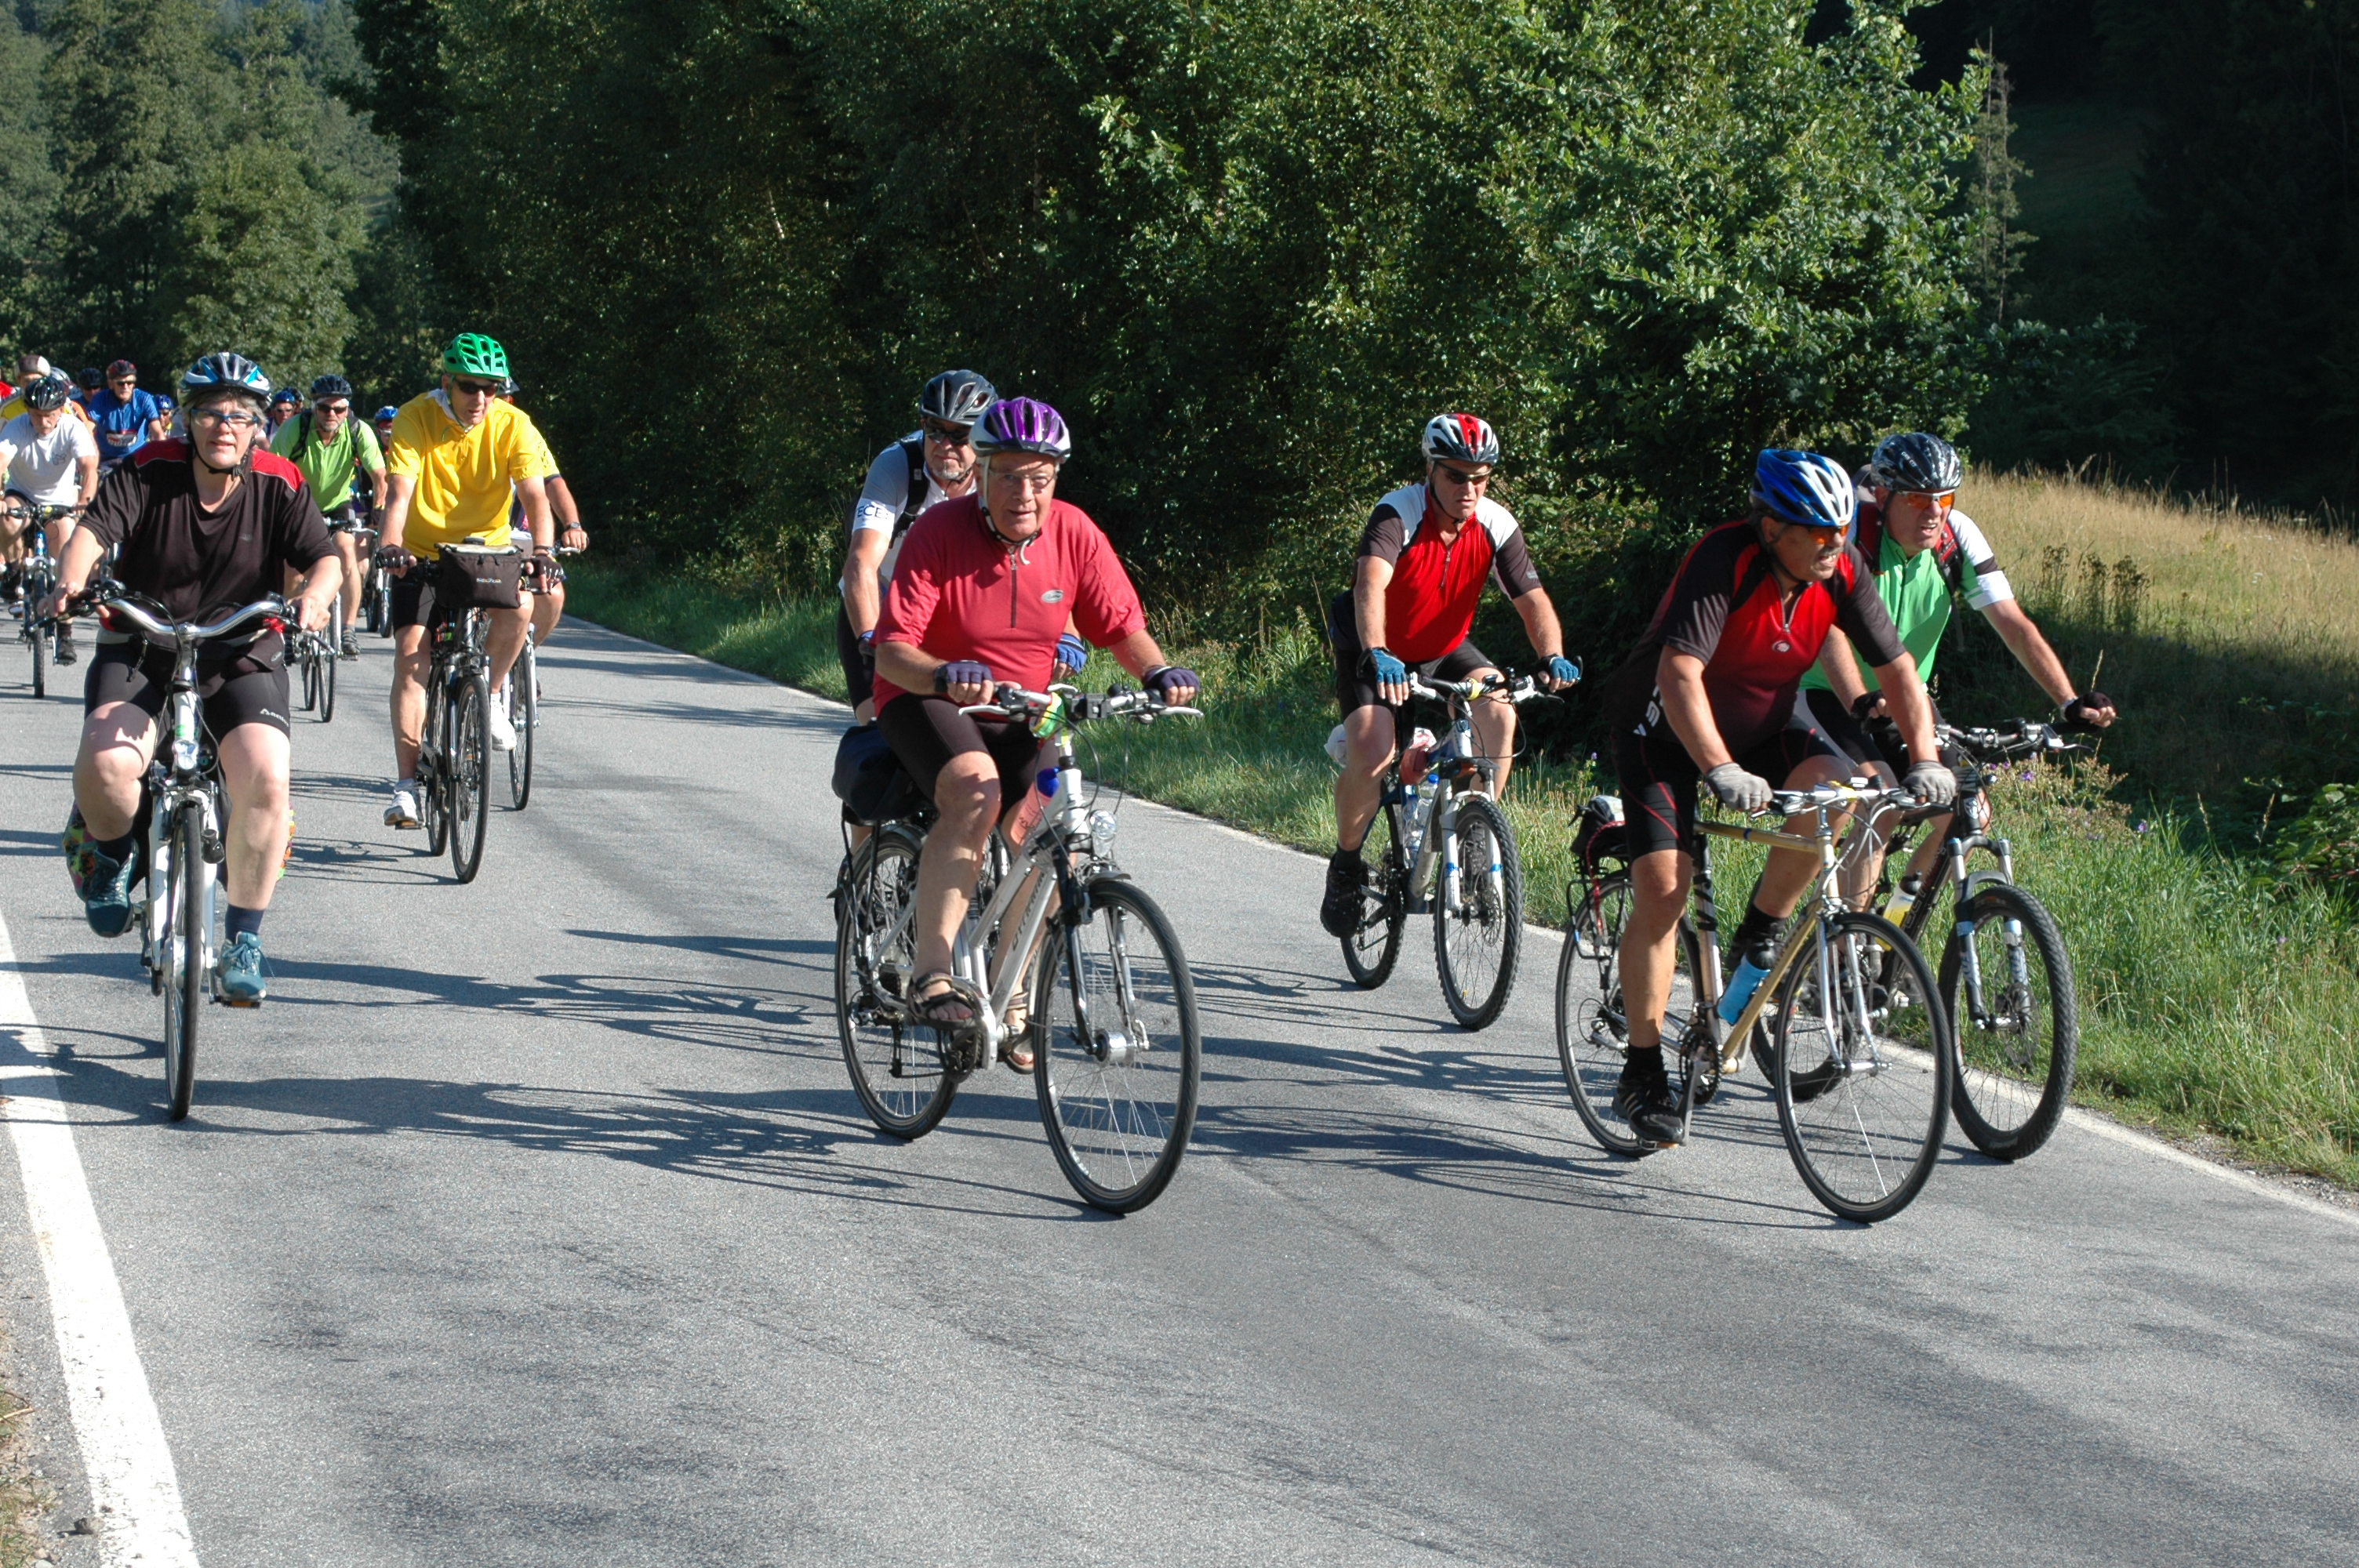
(1875, 740)
(1355, 687)
(351, 514)
(859, 674)
(927, 732)
(1660, 780)
(246, 688)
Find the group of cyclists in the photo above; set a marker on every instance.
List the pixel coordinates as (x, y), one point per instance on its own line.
(210, 510)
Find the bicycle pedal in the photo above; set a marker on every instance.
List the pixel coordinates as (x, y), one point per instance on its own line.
(241, 1005)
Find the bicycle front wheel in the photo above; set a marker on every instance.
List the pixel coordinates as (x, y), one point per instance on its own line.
(40, 641)
(1478, 914)
(2015, 1046)
(524, 713)
(896, 1062)
(188, 930)
(469, 771)
(380, 602)
(1374, 945)
(1116, 1047)
(1593, 1031)
(1863, 1066)
(328, 686)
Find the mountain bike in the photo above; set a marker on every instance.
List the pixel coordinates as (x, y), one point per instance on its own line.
(182, 808)
(1111, 1018)
(312, 658)
(2005, 975)
(454, 772)
(1439, 842)
(1849, 997)
(36, 628)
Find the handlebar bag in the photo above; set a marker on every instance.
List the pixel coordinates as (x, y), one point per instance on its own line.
(473, 579)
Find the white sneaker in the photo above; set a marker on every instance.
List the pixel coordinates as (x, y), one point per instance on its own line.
(496, 723)
(403, 812)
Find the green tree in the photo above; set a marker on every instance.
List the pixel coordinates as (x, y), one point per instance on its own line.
(260, 261)
(28, 189)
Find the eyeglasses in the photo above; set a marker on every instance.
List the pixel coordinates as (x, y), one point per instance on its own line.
(1459, 476)
(1037, 483)
(475, 388)
(950, 435)
(235, 419)
(331, 408)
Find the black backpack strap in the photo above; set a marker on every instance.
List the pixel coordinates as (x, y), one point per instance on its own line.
(914, 449)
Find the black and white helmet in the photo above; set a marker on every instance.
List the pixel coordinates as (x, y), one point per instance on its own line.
(1916, 462)
(46, 391)
(1461, 439)
(956, 397)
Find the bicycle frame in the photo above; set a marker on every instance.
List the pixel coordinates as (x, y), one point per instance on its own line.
(1425, 824)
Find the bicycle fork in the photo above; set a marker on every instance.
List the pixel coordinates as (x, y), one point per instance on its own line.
(1969, 965)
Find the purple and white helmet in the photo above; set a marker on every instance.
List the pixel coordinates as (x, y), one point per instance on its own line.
(1022, 424)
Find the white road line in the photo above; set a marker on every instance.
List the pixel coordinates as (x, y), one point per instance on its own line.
(132, 1483)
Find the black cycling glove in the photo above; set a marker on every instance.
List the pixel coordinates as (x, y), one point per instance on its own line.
(2076, 712)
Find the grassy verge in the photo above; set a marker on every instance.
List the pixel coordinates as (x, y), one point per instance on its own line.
(2212, 1003)
(23, 1499)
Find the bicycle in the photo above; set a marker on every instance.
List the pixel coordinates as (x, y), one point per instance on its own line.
(36, 628)
(1116, 1067)
(182, 806)
(1849, 992)
(313, 657)
(1439, 843)
(2011, 1083)
(454, 774)
(521, 699)
(376, 582)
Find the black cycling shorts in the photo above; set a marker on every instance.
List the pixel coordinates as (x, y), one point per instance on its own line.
(1660, 780)
(1873, 740)
(247, 688)
(351, 514)
(859, 674)
(927, 732)
(1355, 687)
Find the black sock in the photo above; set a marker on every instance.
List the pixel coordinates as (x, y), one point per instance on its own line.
(116, 849)
(1754, 930)
(240, 919)
(1342, 856)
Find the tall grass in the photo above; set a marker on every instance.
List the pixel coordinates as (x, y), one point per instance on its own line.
(2211, 1001)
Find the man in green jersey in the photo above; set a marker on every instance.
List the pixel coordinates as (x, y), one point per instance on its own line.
(332, 449)
(1927, 554)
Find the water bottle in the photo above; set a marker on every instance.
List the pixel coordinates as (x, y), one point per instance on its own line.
(1740, 987)
(1414, 755)
(1904, 897)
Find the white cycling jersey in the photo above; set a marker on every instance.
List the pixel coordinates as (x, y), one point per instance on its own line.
(884, 505)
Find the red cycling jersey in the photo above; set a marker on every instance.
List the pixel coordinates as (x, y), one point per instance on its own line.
(1430, 603)
(960, 592)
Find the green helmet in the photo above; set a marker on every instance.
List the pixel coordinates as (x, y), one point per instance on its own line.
(471, 353)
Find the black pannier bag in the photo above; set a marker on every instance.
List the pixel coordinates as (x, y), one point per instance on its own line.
(870, 780)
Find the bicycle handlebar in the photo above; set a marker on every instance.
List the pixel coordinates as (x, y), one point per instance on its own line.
(1825, 798)
(2015, 738)
(1081, 706)
(116, 601)
(1515, 688)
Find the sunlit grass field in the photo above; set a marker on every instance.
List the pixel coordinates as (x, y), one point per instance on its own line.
(2214, 1001)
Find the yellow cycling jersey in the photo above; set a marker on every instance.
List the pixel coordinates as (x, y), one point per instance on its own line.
(465, 478)
(16, 405)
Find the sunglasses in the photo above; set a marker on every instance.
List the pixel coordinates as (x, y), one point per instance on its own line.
(1459, 476)
(331, 408)
(475, 388)
(949, 435)
(1929, 497)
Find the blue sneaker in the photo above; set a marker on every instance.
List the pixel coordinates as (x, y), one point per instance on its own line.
(237, 975)
(107, 895)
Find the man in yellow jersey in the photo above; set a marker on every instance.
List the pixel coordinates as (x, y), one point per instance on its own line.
(455, 458)
(549, 593)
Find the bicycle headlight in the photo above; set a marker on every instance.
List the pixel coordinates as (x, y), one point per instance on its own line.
(184, 756)
(1102, 828)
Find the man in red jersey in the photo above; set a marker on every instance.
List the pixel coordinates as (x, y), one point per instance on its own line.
(1424, 557)
(206, 525)
(984, 587)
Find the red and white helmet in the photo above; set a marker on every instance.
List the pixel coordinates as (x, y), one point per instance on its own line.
(1461, 439)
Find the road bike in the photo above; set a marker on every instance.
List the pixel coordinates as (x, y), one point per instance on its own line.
(182, 806)
(312, 658)
(454, 770)
(36, 629)
(1111, 1009)
(1439, 843)
(2003, 973)
(1849, 998)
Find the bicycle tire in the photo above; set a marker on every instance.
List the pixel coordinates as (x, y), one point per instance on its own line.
(1371, 950)
(895, 1064)
(184, 986)
(1864, 1141)
(381, 603)
(470, 777)
(433, 799)
(1118, 1102)
(328, 683)
(524, 714)
(308, 698)
(1994, 1093)
(1485, 932)
(40, 640)
(1591, 1032)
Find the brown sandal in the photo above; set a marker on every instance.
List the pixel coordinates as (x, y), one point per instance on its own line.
(1015, 1046)
(944, 1008)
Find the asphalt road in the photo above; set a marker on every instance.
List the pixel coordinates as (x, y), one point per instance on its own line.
(535, 1222)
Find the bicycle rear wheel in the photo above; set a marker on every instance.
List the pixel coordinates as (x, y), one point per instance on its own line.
(1117, 1047)
(433, 766)
(188, 933)
(308, 698)
(896, 1062)
(40, 641)
(469, 771)
(1863, 1066)
(1592, 1034)
(1479, 934)
(1371, 950)
(2016, 1054)
(328, 685)
(524, 713)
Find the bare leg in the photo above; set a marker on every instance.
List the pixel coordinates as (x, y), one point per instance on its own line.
(1494, 731)
(1659, 888)
(1368, 737)
(411, 664)
(966, 794)
(505, 641)
(117, 741)
(254, 763)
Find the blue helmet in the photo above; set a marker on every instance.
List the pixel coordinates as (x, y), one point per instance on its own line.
(221, 372)
(388, 412)
(1804, 488)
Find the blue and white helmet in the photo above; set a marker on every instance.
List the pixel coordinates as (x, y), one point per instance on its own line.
(1806, 488)
(224, 372)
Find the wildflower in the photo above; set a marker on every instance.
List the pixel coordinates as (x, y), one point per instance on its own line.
(2142, 826)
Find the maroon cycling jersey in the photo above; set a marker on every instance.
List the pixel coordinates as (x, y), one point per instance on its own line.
(1725, 607)
(960, 592)
(1436, 584)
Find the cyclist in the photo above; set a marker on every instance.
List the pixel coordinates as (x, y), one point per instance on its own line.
(457, 456)
(282, 409)
(549, 590)
(51, 460)
(1927, 554)
(31, 368)
(384, 422)
(1711, 696)
(336, 453)
(126, 417)
(1424, 556)
(205, 527)
(932, 463)
(984, 585)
